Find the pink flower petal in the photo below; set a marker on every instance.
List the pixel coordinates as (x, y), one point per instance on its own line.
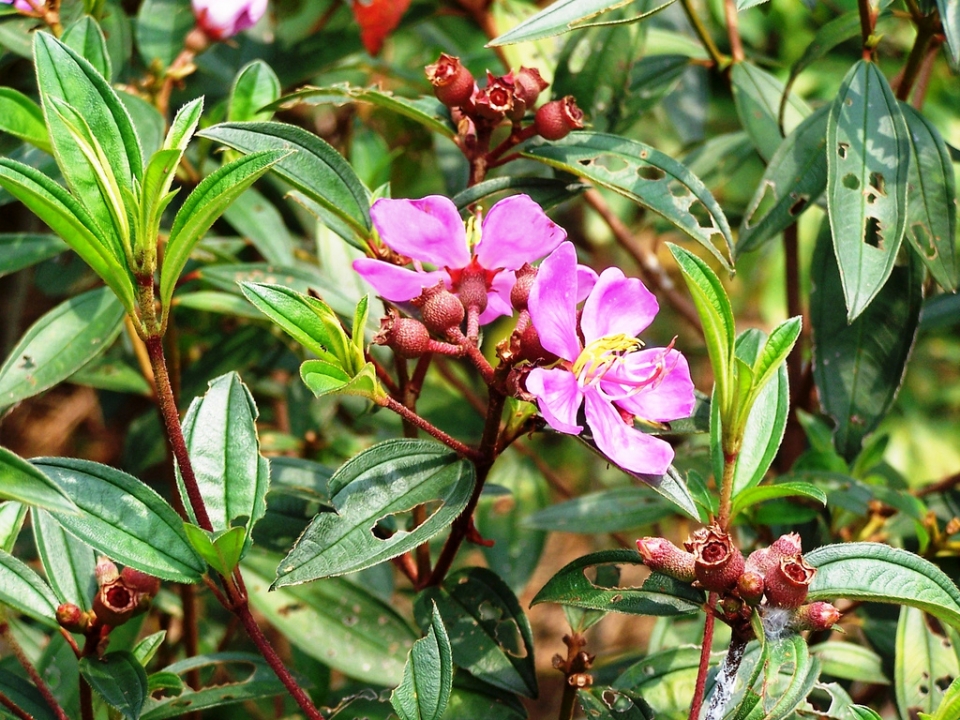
(669, 398)
(224, 18)
(623, 444)
(617, 304)
(514, 232)
(553, 303)
(558, 397)
(586, 279)
(498, 299)
(396, 284)
(429, 230)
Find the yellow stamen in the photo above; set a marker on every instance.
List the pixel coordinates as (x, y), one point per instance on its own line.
(598, 356)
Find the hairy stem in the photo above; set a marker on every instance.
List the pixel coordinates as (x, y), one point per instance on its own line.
(14, 708)
(428, 427)
(704, 667)
(726, 488)
(733, 29)
(31, 671)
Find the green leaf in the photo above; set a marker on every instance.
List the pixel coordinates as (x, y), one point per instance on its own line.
(789, 676)
(161, 28)
(21, 250)
(546, 192)
(70, 220)
(24, 483)
(390, 478)
(68, 562)
(879, 573)
(250, 679)
(868, 161)
(427, 677)
(12, 515)
(925, 661)
(65, 76)
(22, 117)
(566, 15)
(664, 679)
(950, 17)
(24, 591)
(202, 208)
(652, 78)
(255, 87)
(164, 681)
(646, 176)
(858, 368)
(472, 699)
(257, 219)
(849, 661)
(609, 704)
(753, 495)
(215, 301)
(60, 343)
(306, 319)
(795, 179)
(931, 199)
(949, 707)
(757, 95)
(147, 121)
(220, 430)
(26, 696)
(603, 511)
(144, 650)
(490, 636)
(775, 350)
(315, 169)
(426, 110)
(86, 37)
(659, 594)
(716, 317)
(221, 550)
(124, 519)
(334, 621)
(119, 679)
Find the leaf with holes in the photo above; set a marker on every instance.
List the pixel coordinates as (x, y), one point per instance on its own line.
(60, 343)
(315, 168)
(926, 663)
(932, 204)
(68, 562)
(367, 491)
(610, 704)
(24, 591)
(858, 368)
(124, 519)
(659, 595)
(757, 95)
(646, 176)
(22, 482)
(879, 573)
(428, 676)
(949, 707)
(567, 15)
(868, 163)
(489, 635)
(341, 624)
(119, 679)
(795, 178)
(220, 430)
(261, 682)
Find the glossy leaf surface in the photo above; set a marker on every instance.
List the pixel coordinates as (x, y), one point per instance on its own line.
(566, 15)
(926, 662)
(119, 679)
(60, 343)
(427, 677)
(68, 562)
(24, 591)
(24, 483)
(757, 94)
(390, 478)
(659, 594)
(603, 511)
(123, 519)
(646, 176)
(868, 151)
(255, 87)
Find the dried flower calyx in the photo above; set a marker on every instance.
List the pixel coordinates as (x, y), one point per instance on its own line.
(122, 594)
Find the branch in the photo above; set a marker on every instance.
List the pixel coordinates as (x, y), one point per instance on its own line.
(718, 57)
(429, 428)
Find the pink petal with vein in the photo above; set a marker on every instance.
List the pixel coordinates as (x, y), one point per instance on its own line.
(558, 397)
(429, 230)
(623, 444)
(514, 232)
(553, 303)
(617, 304)
(396, 284)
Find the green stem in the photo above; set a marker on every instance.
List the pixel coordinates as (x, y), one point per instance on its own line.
(718, 57)
(726, 487)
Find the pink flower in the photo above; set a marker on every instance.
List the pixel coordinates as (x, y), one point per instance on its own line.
(221, 19)
(26, 5)
(606, 371)
(430, 231)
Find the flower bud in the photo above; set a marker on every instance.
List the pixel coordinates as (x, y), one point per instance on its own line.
(452, 83)
(221, 19)
(718, 562)
(663, 556)
(520, 292)
(787, 546)
(407, 337)
(528, 84)
(140, 582)
(105, 571)
(72, 618)
(750, 587)
(815, 616)
(759, 561)
(440, 308)
(557, 118)
(115, 604)
(787, 582)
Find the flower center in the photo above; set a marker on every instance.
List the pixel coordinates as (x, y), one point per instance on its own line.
(602, 354)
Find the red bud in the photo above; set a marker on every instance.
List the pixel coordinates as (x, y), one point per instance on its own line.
(788, 581)
(815, 616)
(719, 563)
(407, 337)
(440, 309)
(663, 556)
(452, 83)
(557, 118)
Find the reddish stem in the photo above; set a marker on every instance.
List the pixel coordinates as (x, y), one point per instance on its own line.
(429, 428)
(24, 661)
(14, 708)
(704, 668)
